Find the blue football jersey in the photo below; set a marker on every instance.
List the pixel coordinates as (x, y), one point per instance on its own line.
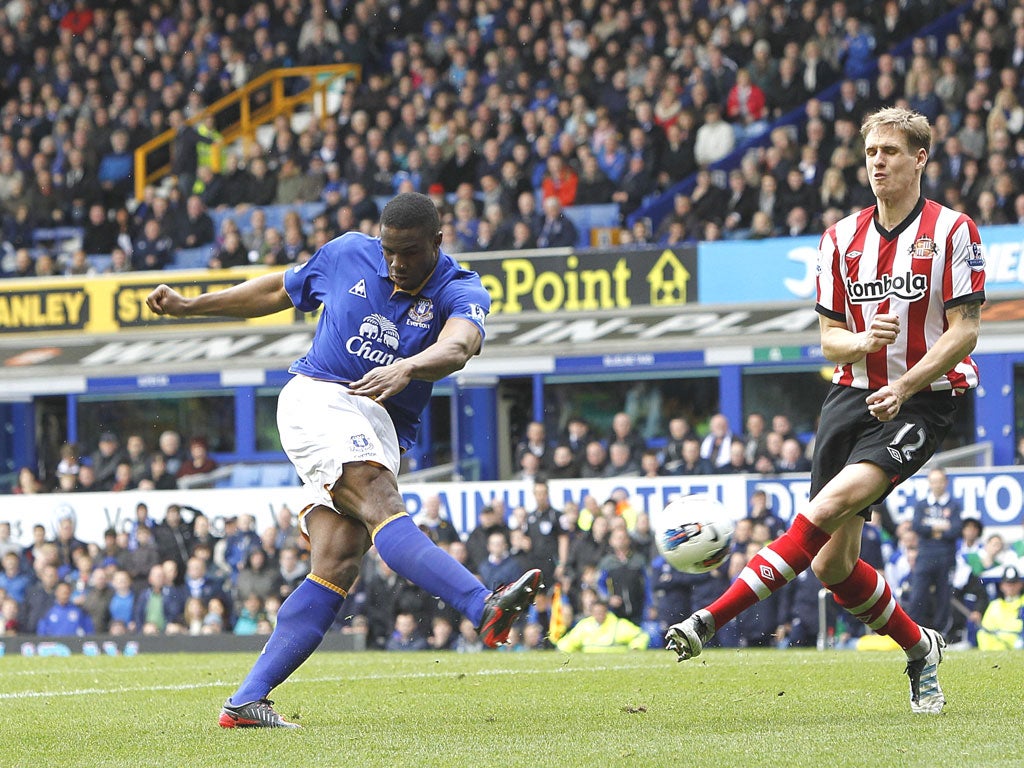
(366, 323)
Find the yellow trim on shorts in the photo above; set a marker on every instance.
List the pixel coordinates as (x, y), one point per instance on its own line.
(376, 530)
(325, 583)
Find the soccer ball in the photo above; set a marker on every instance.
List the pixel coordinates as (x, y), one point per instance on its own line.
(693, 533)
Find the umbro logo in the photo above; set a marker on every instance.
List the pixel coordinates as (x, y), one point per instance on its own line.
(359, 289)
(767, 573)
(895, 454)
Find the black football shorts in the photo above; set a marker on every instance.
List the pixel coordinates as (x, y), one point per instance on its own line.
(849, 434)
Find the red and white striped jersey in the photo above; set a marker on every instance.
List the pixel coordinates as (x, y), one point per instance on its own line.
(932, 262)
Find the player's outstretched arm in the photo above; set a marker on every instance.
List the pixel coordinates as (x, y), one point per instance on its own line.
(841, 345)
(458, 341)
(263, 295)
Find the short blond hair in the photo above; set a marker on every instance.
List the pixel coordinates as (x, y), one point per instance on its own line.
(913, 125)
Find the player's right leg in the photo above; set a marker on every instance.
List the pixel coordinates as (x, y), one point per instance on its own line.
(337, 544)
(850, 491)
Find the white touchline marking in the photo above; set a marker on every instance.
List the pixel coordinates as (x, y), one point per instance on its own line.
(299, 679)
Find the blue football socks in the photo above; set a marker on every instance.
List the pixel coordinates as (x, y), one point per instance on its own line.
(411, 554)
(304, 618)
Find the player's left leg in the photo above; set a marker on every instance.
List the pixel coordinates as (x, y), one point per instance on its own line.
(863, 591)
(337, 544)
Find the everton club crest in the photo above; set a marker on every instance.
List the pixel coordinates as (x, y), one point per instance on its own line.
(421, 313)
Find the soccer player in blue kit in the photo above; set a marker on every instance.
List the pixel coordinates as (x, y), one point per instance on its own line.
(397, 314)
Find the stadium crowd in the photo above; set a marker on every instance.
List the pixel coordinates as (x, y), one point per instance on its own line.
(599, 559)
(490, 107)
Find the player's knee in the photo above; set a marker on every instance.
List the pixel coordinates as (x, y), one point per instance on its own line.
(834, 569)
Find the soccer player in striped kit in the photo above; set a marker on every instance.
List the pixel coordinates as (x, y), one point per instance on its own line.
(900, 288)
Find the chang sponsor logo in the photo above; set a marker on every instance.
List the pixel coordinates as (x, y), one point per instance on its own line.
(908, 287)
(375, 331)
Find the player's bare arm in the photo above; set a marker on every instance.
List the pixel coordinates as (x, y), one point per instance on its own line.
(841, 345)
(956, 342)
(263, 295)
(458, 341)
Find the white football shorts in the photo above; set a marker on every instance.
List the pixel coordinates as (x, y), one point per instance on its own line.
(323, 427)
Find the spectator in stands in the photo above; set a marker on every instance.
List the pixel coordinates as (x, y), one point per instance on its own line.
(499, 566)
(169, 445)
(535, 442)
(78, 264)
(18, 227)
(199, 584)
(555, 229)
(157, 477)
(115, 171)
(406, 635)
(96, 600)
(433, 523)
(106, 457)
(491, 521)
(623, 576)
(1002, 625)
(291, 569)
(173, 537)
(28, 482)
(593, 187)
(39, 596)
(154, 249)
(737, 463)
(13, 580)
(603, 632)
(621, 462)
(239, 538)
(714, 139)
(230, 253)
(199, 460)
(560, 181)
(792, 457)
(85, 481)
(119, 262)
(63, 618)
(595, 460)
(24, 264)
(160, 607)
(196, 227)
(257, 576)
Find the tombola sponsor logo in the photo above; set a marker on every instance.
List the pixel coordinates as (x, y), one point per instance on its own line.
(907, 286)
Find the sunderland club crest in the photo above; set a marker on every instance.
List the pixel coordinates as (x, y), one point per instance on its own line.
(923, 248)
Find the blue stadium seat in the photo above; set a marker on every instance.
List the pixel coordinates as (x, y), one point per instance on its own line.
(55, 235)
(245, 476)
(277, 475)
(274, 213)
(192, 258)
(99, 261)
(586, 217)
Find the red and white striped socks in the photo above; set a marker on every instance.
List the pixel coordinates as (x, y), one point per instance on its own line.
(866, 595)
(770, 569)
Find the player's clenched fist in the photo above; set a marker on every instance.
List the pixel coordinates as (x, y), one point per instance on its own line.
(164, 300)
(883, 331)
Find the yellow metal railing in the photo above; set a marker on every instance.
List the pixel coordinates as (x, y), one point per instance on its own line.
(321, 80)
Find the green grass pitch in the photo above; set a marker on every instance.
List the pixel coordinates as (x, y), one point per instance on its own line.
(725, 708)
